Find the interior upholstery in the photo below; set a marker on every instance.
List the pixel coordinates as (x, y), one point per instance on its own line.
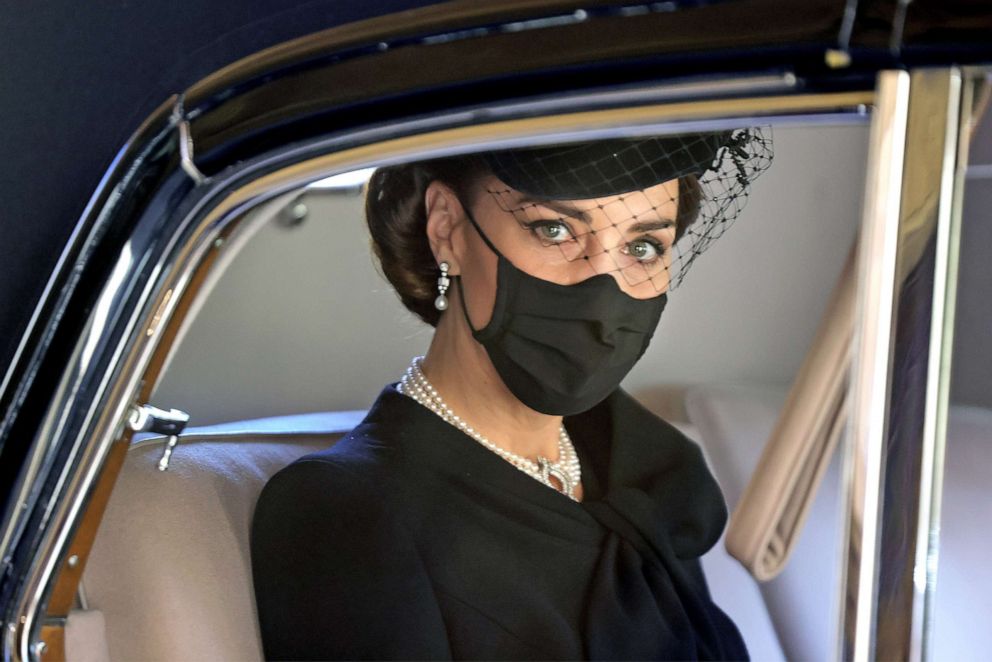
(735, 421)
(964, 577)
(170, 571)
(86, 636)
(739, 596)
(170, 567)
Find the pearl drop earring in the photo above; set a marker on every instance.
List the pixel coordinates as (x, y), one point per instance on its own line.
(441, 302)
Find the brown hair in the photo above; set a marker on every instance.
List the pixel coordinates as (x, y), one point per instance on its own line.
(397, 218)
(690, 200)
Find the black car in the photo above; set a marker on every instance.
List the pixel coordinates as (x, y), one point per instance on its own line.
(134, 439)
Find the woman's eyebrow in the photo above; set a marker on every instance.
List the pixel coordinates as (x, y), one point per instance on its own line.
(647, 226)
(559, 206)
(568, 210)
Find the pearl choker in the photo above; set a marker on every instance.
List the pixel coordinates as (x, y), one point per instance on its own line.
(566, 470)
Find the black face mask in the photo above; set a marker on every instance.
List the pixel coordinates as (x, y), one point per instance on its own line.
(561, 349)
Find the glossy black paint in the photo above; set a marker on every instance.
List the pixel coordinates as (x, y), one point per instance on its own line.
(336, 80)
(319, 88)
(74, 86)
(286, 105)
(76, 82)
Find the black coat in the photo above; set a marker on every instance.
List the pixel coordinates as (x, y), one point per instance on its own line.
(408, 539)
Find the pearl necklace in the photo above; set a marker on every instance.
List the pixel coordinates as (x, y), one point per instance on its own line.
(566, 470)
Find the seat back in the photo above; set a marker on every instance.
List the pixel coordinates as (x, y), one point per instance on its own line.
(169, 576)
(734, 422)
(170, 568)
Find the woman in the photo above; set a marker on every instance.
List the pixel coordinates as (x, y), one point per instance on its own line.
(506, 499)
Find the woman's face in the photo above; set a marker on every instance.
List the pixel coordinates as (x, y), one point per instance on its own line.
(628, 236)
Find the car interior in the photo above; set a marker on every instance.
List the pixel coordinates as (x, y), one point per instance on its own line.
(294, 332)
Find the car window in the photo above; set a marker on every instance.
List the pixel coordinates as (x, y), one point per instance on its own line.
(302, 320)
(303, 298)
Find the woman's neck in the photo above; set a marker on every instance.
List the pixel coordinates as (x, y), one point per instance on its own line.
(461, 371)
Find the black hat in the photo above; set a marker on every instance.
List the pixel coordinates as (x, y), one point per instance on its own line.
(605, 167)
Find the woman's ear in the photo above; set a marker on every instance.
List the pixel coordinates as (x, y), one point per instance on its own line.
(444, 212)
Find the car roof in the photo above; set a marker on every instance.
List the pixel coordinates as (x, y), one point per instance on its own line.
(77, 82)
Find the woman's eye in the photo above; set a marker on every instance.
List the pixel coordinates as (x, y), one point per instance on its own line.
(644, 250)
(553, 231)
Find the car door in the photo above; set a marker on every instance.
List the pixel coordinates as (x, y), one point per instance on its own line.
(458, 78)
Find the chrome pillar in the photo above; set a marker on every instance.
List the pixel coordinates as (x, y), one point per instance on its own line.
(901, 367)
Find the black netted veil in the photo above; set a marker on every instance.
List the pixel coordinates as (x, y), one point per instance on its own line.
(646, 207)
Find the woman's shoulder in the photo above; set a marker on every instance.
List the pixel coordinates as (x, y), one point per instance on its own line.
(329, 505)
(363, 466)
(352, 470)
(331, 550)
(653, 434)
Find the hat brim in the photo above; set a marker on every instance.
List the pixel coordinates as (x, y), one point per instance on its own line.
(605, 167)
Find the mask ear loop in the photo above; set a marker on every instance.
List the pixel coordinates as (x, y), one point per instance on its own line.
(482, 234)
(458, 278)
(461, 300)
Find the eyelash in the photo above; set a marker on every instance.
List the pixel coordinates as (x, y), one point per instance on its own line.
(535, 227)
(659, 249)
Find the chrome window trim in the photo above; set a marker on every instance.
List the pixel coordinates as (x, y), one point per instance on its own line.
(916, 169)
(871, 347)
(39, 456)
(213, 208)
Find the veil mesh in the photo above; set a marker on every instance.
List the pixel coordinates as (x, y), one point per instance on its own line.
(646, 208)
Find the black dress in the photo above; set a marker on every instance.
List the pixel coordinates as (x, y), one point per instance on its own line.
(410, 540)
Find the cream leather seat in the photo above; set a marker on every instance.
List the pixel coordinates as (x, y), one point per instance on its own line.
(170, 568)
(734, 422)
(169, 576)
